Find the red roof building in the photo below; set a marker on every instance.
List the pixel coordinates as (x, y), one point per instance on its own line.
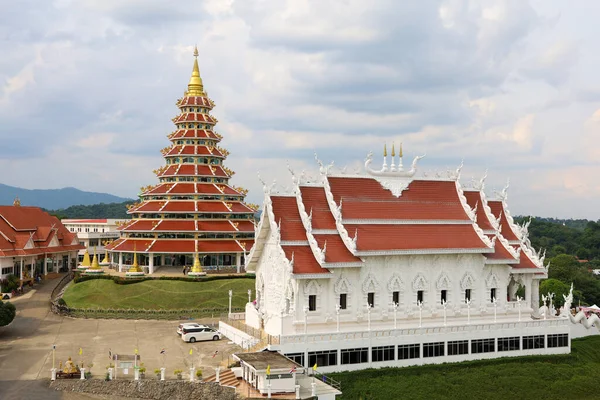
(33, 242)
(193, 210)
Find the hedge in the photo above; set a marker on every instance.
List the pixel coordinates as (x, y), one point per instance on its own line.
(119, 280)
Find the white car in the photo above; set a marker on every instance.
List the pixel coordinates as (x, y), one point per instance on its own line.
(195, 334)
(189, 325)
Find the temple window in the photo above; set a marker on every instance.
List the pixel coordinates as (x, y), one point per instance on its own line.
(444, 296)
(371, 299)
(312, 302)
(396, 297)
(492, 294)
(343, 301)
(420, 296)
(467, 294)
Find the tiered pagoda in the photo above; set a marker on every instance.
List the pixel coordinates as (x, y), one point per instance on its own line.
(192, 216)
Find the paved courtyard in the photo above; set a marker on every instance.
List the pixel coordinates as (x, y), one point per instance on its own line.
(26, 356)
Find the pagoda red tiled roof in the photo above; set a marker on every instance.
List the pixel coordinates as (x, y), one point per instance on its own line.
(193, 170)
(500, 252)
(474, 199)
(179, 206)
(201, 101)
(194, 117)
(285, 211)
(497, 208)
(193, 134)
(314, 200)
(175, 226)
(193, 150)
(183, 188)
(19, 223)
(304, 260)
(524, 262)
(423, 200)
(336, 251)
(381, 237)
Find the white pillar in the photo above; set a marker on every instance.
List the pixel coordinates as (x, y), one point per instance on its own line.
(120, 262)
(151, 263)
(192, 374)
(238, 262)
(313, 389)
(162, 370)
(535, 296)
(110, 374)
(297, 391)
(136, 374)
(162, 260)
(217, 375)
(45, 265)
(21, 269)
(53, 374)
(82, 374)
(268, 388)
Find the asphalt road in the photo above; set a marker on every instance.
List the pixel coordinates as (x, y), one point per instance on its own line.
(26, 355)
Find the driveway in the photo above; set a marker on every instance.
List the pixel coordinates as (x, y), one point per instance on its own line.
(26, 346)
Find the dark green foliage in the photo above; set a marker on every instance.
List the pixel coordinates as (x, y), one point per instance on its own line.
(119, 280)
(10, 283)
(532, 377)
(94, 211)
(7, 313)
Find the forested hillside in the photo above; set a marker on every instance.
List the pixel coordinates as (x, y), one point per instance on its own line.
(94, 211)
(573, 251)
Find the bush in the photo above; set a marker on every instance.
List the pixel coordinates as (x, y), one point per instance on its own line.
(199, 374)
(9, 284)
(7, 313)
(61, 302)
(119, 280)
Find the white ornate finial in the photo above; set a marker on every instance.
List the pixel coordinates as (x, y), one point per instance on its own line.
(459, 169)
(504, 193)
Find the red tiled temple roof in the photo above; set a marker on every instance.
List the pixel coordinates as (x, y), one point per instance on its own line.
(195, 101)
(194, 117)
(422, 200)
(192, 134)
(19, 223)
(193, 150)
(500, 252)
(336, 251)
(314, 200)
(474, 199)
(524, 262)
(285, 210)
(416, 237)
(497, 207)
(304, 260)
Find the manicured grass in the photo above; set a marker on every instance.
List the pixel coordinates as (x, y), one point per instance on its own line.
(158, 294)
(539, 377)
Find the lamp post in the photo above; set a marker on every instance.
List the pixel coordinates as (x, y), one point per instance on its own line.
(230, 296)
(468, 302)
(337, 316)
(444, 304)
(495, 307)
(420, 305)
(395, 305)
(369, 306)
(519, 300)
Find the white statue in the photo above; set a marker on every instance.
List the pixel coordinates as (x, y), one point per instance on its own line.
(566, 310)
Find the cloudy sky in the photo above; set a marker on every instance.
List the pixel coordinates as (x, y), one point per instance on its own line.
(88, 90)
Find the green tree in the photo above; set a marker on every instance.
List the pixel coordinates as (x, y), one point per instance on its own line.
(7, 313)
(557, 287)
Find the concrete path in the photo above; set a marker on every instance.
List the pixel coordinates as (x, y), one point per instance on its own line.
(26, 346)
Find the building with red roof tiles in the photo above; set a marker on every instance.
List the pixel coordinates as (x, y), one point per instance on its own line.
(34, 243)
(193, 210)
(384, 268)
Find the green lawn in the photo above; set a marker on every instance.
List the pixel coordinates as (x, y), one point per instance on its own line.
(158, 294)
(540, 377)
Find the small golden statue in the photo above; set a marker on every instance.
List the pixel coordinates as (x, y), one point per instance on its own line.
(70, 367)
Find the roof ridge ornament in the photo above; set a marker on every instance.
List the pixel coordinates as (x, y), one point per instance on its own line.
(397, 172)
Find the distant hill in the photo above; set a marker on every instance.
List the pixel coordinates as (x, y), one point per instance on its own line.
(53, 199)
(94, 211)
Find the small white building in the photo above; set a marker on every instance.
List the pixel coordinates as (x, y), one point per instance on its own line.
(93, 233)
(382, 268)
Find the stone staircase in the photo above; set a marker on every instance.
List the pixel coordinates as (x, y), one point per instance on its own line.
(226, 377)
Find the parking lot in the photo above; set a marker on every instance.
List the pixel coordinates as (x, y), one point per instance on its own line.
(26, 345)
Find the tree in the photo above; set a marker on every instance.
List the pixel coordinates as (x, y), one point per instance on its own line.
(7, 313)
(557, 287)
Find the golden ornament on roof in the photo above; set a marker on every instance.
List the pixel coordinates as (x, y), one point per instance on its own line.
(393, 150)
(17, 202)
(241, 190)
(195, 86)
(400, 151)
(228, 171)
(385, 150)
(210, 149)
(223, 151)
(229, 205)
(253, 206)
(218, 136)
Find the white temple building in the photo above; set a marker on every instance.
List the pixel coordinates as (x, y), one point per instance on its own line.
(384, 268)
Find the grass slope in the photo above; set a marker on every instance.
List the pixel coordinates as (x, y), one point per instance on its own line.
(540, 377)
(158, 294)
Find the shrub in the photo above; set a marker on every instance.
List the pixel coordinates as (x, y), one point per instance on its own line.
(61, 302)
(9, 284)
(7, 313)
(199, 374)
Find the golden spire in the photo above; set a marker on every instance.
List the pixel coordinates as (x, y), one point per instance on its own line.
(135, 267)
(95, 264)
(106, 260)
(400, 150)
(17, 202)
(195, 87)
(86, 259)
(197, 268)
(385, 149)
(393, 150)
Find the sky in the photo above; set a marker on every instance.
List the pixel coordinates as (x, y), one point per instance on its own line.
(88, 89)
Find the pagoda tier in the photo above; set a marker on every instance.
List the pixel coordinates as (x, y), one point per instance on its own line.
(193, 209)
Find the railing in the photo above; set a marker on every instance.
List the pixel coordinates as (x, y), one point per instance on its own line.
(60, 286)
(328, 380)
(265, 338)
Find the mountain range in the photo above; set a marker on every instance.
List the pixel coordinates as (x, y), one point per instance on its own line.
(53, 199)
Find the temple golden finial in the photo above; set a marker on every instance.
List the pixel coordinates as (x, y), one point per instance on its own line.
(385, 149)
(17, 202)
(86, 259)
(393, 150)
(400, 150)
(95, 264)
(197, 268)
(195, 87)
